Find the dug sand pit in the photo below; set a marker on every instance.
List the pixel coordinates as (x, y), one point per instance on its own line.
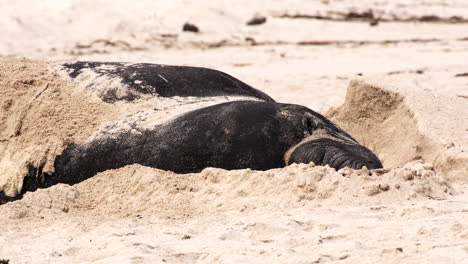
(402, 122)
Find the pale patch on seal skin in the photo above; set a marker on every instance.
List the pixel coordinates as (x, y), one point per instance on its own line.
(145, 111)
(156, 80)
(99, 84)
(143, 115)
(104, 85)
(163, 78)
(285, 113)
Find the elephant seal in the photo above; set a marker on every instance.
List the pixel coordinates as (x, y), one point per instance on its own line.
(198, 118)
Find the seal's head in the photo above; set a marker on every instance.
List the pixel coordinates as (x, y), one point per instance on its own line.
(326, 144)
(334, 153)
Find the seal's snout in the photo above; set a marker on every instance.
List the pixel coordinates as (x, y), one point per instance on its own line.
(336, 154)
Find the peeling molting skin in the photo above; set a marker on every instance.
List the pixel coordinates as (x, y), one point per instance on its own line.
(113, 81)
(149, 119)
(108, 88)
(149, 95)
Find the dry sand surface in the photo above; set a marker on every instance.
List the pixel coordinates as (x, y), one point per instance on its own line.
(391, 73)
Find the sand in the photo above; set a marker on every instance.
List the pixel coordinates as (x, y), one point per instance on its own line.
(40, 115)
(296, 214)
(390, 116)
(398, 86)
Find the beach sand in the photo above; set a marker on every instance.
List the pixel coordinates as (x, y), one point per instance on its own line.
(391, 73)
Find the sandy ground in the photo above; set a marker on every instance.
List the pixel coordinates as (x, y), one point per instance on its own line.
(407, 101)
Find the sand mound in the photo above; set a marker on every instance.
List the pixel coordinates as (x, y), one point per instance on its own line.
(39, 115)
(402, 122)
(137, 190)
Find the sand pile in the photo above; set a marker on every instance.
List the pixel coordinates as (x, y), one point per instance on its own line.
(402, 122)
(39, 115)
(291, 215)
(137, 190)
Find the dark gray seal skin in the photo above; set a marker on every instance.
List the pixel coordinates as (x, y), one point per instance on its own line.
(165, 80)
(259, 134)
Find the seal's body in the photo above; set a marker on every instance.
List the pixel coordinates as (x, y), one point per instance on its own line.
(197, 118)
(232, 135)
